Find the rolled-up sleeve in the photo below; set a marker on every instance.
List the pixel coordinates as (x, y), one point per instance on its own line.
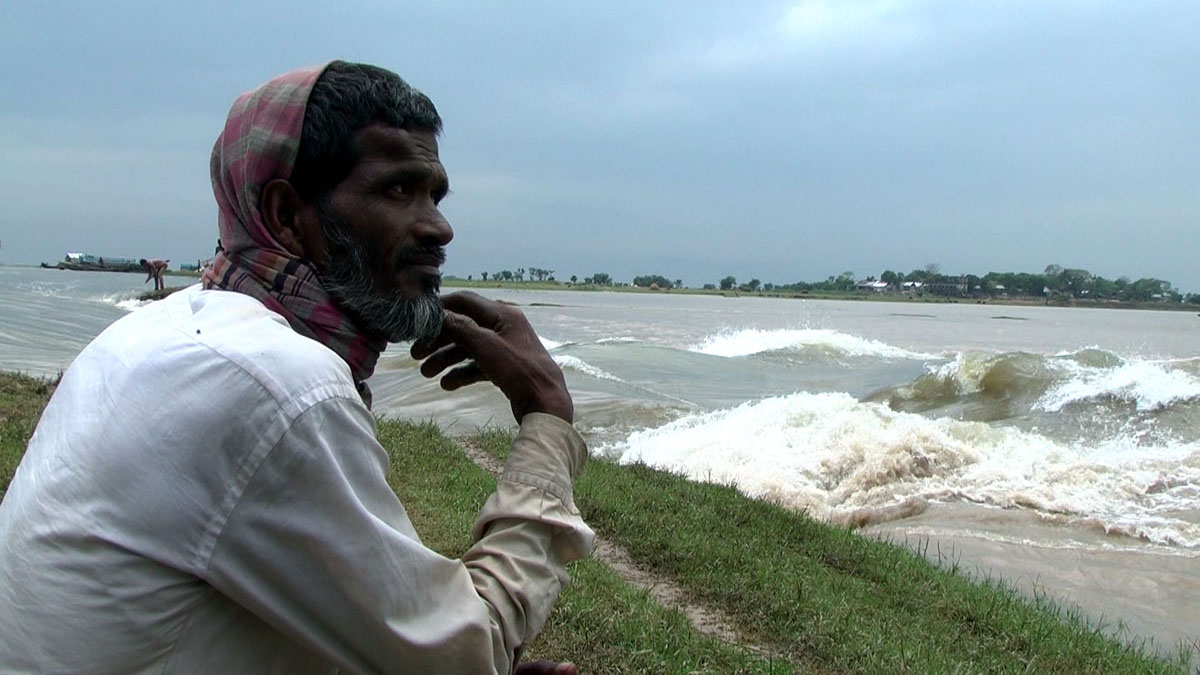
(317, 545)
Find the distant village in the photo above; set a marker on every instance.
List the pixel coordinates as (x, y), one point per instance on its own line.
(1054, 284)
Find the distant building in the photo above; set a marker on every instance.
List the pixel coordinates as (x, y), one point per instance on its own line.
(871, 286)
(955, 287)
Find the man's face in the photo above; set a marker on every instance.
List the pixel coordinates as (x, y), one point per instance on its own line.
(383, 234)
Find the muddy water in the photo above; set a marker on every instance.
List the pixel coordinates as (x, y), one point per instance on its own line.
(1133, 589)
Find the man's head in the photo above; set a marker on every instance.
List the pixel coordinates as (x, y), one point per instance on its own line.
(361, 202)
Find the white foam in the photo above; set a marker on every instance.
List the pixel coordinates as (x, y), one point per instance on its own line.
(574, 363)
(129, 304)
(1150, 385)
(621, 340)
(831, 455)
(549, 344)
(749, 341)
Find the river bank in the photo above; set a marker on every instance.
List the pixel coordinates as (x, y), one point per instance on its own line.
(854, 296)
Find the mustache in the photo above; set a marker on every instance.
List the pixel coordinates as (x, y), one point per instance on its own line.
(421, 255)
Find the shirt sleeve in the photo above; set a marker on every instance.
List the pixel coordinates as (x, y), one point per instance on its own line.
(320, 547)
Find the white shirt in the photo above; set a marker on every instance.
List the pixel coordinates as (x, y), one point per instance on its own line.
(205, 494)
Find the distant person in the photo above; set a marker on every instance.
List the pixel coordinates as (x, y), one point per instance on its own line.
(205, 491)
(154, 270)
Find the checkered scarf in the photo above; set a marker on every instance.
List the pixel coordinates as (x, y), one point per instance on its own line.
(259, 144)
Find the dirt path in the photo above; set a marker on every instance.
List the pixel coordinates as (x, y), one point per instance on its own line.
(706, 620)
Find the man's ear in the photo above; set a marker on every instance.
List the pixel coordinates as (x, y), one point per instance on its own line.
(282, 212)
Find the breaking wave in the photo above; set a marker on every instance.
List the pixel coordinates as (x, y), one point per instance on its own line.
(750, 341)
(1053, 383)
(1148, 385)
(566, 362)
(855, 462)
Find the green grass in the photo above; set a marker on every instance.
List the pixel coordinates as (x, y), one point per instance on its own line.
(829, 599)
(22, 399)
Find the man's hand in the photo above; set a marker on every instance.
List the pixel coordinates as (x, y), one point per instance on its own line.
(502, 348)
(546, 668)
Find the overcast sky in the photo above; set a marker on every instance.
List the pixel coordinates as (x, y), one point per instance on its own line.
(779, 140)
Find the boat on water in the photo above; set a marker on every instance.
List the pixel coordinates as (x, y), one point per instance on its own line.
(85, 262)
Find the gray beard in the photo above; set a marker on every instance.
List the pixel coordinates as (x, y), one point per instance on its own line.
(346, 277)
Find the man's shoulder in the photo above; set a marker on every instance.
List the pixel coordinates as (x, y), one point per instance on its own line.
(195, 333)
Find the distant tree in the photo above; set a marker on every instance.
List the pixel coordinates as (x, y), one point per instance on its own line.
(601, 279)
(728, 283)
(710, 287)
(1150, 289)
(484, 275)
(1104, 288)
(890, 278)
(574, 279)
(539, 273)
(933, 269)
(845, 281)
(753, 285)
(679, 283)
(520, 274)
(768, 287)
(470, 277)
(1080, 280)
(648, 280)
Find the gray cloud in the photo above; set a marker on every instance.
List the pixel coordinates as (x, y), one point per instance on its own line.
(785, 141)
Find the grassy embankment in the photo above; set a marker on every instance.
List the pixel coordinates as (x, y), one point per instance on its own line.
(823, 598)
(21, 401)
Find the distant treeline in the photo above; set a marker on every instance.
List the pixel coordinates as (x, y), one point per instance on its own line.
(1054, 281)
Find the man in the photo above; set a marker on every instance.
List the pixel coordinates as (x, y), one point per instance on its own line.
(154, 270)
(246, 527)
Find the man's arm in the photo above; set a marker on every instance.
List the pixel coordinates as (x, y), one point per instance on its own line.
(319, 547)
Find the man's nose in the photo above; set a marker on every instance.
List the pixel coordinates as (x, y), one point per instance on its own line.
(433, 228)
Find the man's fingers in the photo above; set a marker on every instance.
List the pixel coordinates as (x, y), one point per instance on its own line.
(443, 359)
(463, 376)
(486, 313)
(456, 328)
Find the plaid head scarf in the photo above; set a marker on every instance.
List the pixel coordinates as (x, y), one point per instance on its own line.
(259, 144)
